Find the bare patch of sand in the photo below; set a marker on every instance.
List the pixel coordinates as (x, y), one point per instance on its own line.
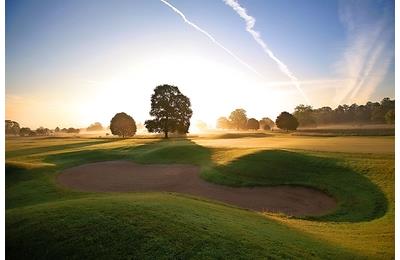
(125, 176)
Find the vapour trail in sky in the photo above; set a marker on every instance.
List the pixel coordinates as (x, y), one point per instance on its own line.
(250, 22)
(176, 10)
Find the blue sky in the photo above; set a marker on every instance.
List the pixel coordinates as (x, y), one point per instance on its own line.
(66, 59)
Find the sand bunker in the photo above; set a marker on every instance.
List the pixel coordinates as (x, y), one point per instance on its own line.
(124, 176)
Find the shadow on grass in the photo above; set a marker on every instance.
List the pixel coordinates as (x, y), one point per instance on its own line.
(358, 198)
(30, 151)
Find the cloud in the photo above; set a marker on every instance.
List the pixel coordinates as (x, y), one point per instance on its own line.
(250, 22)
(368, 53)
(176, 10)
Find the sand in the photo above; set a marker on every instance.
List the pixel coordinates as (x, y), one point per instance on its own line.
(126, 176)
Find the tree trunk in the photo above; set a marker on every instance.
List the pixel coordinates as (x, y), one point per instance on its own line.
(166, 129)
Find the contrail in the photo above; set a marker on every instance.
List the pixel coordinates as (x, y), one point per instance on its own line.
(210, 37)
(250, 21)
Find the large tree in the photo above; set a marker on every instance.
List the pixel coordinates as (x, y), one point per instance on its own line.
(171, 111)
(238, 118)
(123, 125)
(286, 121)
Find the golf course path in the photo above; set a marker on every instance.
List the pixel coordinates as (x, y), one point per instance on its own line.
(126, 176)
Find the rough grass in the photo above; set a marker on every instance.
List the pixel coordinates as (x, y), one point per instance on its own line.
(44, 220)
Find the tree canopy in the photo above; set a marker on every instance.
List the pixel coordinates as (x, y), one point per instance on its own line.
(286, 121)
(171, 111)
(304, 115)
(26, 131)
(370, 113)
(238, 119)
(253, 124)
(123, 125)
(95, 127)
(11, 127)
(266, 123)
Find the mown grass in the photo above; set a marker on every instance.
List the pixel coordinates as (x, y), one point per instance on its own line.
(45, 220)
(149, 226)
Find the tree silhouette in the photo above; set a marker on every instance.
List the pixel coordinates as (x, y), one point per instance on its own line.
(286, 121)
(171, 111)
(253, 124)
(266, 123)
(25, 131)
(123, 125)
(238, 118)
(42, 131)
(95, 127)
(11, 127)
(304, 115)
(371, 112)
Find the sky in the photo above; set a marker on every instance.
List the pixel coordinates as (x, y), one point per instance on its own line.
(72, 63)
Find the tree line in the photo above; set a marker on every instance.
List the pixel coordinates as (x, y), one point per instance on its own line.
(13, 128)
(238, 120)
(371, 113)
(171, 112)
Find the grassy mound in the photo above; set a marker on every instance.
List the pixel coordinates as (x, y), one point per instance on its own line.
(359, 199)
(148, 226)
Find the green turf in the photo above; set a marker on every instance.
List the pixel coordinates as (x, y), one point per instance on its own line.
(149, 226)
(45, 220)
(359, 199)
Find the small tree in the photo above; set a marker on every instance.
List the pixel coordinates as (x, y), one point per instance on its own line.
(238, 118)
(25, 131)
(266, 123)
(171, 111)
(43, 131)
(123, 125)
(223, 123)
(95, 127)
(253, 124)
(286, 121)
(57, 129)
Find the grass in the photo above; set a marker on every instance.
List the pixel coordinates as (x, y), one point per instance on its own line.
(43, 220)
(359, 199)
(387, 131)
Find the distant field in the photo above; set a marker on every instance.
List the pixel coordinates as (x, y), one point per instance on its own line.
(340, 130)
(45, 220)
